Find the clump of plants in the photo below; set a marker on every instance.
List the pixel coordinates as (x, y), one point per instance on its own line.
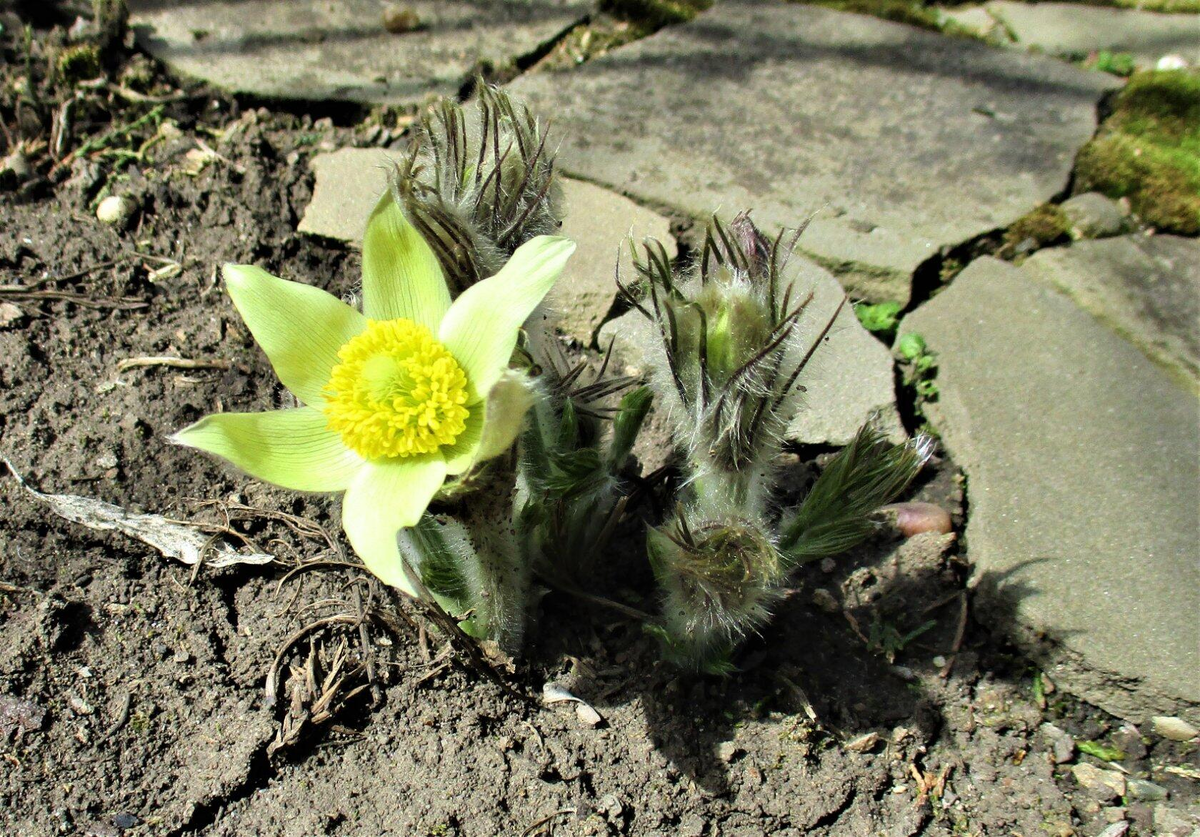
(1148, 150)
(729, 344)
(473, 455)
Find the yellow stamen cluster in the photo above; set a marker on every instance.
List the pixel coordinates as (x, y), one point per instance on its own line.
(396, 392)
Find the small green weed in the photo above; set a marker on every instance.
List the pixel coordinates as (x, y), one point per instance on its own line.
(919, 366)
(880, 319)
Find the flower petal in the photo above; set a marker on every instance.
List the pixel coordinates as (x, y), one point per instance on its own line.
(291, 448)
(384, 497)
(480, 329)
(301, 328)
(461, 455)
(401, 275)
(493, 424)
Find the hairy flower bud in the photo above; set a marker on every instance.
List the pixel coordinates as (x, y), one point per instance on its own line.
(720, 580)
(477, 188)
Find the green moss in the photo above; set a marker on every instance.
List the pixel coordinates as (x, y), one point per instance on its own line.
(1117, 63)
(1045, 225)
(1148, 150)
(1192, 6)
(79, 63)
(656, 13)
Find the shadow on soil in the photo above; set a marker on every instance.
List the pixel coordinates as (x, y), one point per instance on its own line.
(844, 671)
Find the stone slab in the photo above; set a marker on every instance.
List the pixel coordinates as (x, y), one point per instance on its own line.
(901, 141)
(1073, 29)
(602, 223)
(318, 50)
(849, 379)
(1084, 486)
(1145, 287)
(348, 184)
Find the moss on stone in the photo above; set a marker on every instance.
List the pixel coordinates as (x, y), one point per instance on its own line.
(1148, 151)
(1046, 224)
(1192, 6)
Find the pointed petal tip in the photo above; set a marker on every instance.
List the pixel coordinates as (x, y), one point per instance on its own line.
(234, 273)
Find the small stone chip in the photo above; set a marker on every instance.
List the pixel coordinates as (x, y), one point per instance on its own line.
(1104, 785)
(863, 743)
(823, 599)
(10, 314)
(20, 714)
(1173, 728)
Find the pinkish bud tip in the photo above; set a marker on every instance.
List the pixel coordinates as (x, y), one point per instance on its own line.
(915, 518)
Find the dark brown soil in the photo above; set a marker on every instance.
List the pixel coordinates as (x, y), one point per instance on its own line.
(132, 689)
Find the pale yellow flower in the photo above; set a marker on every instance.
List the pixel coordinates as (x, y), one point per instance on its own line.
(397, 398)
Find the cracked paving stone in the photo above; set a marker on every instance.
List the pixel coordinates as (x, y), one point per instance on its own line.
(1073, 30)
(1080, 455)
(349, 182)
(312, 50)
(902, 142)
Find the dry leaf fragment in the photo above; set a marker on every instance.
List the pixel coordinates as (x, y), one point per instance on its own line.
(554, 693)
(174, 539)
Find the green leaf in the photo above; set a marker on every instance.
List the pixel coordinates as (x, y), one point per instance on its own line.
(480, 329)
(866, 474)
(290, 448)
(631, 413)
(1101, 751)
(301, 328)
(384, 497)
(910, 346)
(439, 549)
(401, 275)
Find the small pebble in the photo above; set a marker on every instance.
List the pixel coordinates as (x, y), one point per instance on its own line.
(1169, 821)
(181, 656)
(864, 743)
(1062, 746)
(1117, 829)
(10, 314)
(823, 599)
(1170, 727)
(1104, 785)
(116, 210)
(1145, 791)
(126, 820)
(1173, 728)
(1171, 62)
(828, 565)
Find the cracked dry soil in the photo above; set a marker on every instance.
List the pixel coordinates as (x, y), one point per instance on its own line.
(132, 695)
